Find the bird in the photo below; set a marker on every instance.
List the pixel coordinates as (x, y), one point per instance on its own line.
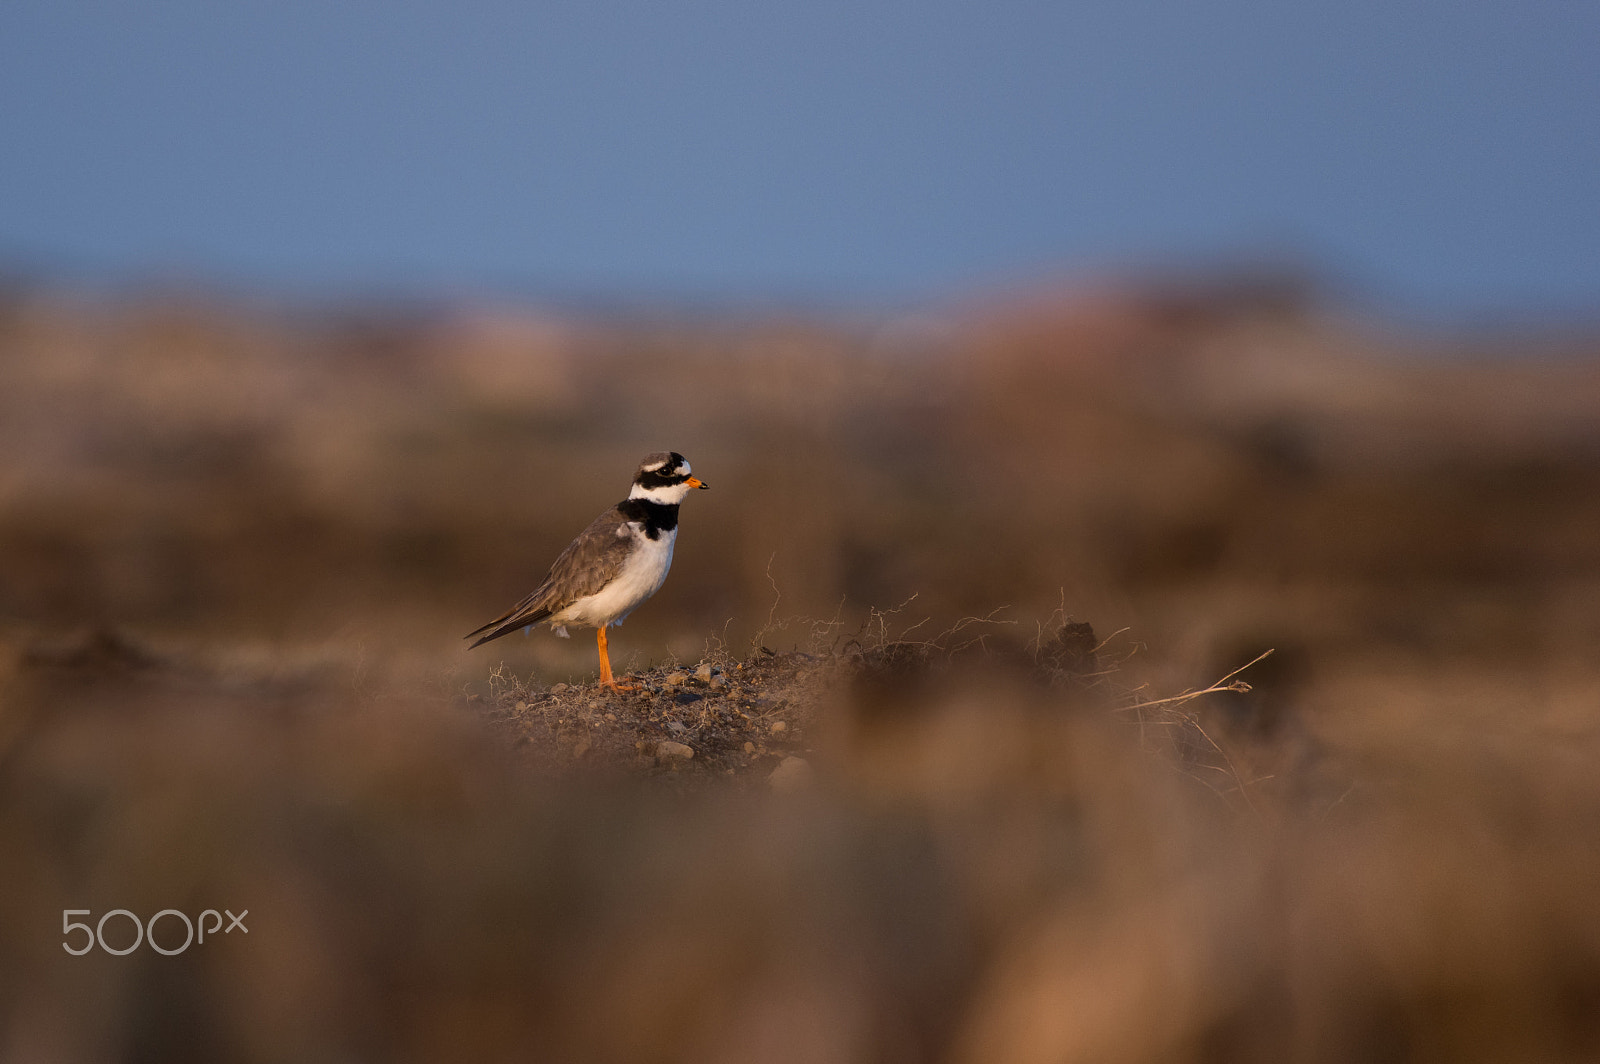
(616, 563)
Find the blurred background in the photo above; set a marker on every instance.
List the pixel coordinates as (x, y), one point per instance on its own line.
(1233, 327)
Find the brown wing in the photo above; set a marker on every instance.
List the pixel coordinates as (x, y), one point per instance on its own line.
(582, 569)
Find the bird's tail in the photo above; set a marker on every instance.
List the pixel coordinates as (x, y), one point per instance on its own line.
(520, 617)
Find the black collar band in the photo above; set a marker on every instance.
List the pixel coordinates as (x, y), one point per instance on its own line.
(657, 517)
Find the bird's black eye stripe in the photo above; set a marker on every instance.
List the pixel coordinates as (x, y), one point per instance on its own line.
(660, 478)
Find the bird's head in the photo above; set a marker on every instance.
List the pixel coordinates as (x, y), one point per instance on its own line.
(664, 477)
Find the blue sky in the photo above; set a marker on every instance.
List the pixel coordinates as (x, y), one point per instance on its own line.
(1444, 158)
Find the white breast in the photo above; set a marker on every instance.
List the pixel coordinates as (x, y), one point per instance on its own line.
(641, 577)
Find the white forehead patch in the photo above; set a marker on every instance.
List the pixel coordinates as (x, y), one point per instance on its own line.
(684, 468)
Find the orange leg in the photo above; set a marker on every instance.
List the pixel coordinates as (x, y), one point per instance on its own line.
(606, 679)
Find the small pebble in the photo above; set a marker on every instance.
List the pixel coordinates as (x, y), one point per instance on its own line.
(676, 727)
(558, 688)
(777, 727)
(611, 716)
(671, 751)
(719, 680)
(521, 705)
(704, 673)
(749, 748)
(675, 679)
(792, 773)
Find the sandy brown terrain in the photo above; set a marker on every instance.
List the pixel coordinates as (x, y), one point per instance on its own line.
(239, 546)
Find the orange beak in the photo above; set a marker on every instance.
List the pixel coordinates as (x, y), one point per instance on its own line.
(696, 482)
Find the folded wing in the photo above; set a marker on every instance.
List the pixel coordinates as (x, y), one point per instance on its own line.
(585, 567)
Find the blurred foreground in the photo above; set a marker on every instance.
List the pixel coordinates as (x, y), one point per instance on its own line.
(237, 552)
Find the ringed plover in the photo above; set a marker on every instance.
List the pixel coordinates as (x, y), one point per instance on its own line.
(615, 564)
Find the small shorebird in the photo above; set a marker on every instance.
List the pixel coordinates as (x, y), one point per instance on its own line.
(613, 566)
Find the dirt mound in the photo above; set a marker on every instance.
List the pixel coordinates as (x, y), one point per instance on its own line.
(717, 719)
